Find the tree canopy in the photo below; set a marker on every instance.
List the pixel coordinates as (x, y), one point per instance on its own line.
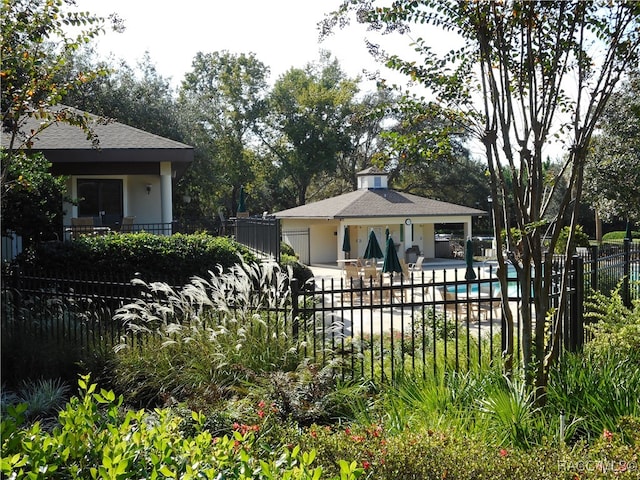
(310, 110)
(612, 176)
(36, 45)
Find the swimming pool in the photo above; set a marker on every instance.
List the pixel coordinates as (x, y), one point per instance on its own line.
(490, 286)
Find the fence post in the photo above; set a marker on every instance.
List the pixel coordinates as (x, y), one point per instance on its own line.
(626, 286)
(595, 254)
(16, 295)
(295, 310)
(576, 334)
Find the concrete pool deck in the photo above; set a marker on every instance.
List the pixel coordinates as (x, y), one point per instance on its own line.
(360, 318)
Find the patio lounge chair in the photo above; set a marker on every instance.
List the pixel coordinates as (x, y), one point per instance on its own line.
(457, 305)
(417, 266)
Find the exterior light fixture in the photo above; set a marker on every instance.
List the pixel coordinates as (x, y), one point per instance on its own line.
(148, 187)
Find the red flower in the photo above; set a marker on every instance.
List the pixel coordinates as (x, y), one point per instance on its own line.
(260, 413)
(607, 435)
(313, 434)
(347, 431)
(366, 465)
(503, 452)
(261, 404)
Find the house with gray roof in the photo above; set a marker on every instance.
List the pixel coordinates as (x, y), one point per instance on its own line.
(129, 173)
(411, 221)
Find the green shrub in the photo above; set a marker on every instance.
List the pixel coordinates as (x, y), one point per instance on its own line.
(580, 239)
(95, 438)
(600, 386)
(312, 395)
(613, 327)
(286, 249)
(301, 272)
(426, 453)
(173, 258)
(619, 235)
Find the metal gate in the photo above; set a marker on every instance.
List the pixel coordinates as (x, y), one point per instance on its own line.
(299, 240)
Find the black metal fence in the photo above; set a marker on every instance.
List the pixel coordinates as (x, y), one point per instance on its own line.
(261, 234)
(374, 328)
(611, 265)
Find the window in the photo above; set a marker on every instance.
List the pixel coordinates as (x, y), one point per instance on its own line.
(98, 198)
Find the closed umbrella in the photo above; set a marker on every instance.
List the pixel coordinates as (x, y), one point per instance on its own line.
(346, 242)
(391, 262)
(386, 234)
(241, 203)
(468, 257)
(373, 247)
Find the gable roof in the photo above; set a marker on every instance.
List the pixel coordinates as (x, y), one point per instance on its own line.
(61, 142)
(379, 202)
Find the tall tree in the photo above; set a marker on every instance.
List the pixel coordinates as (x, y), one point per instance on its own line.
(612, 175)
(368, 123)
(426, 149)
(524, 72)
(35, 47)
(36, 44)
(309, 112)
(220, 100)
(134, 95)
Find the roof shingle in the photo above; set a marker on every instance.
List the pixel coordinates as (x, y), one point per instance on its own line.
(380, 202)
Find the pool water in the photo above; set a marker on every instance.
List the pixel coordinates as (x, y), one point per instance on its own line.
(513, 289)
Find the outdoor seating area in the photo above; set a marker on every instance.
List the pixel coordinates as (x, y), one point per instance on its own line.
(90, 226)
(439, 286)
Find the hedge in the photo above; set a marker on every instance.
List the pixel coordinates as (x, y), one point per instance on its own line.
(173, 258)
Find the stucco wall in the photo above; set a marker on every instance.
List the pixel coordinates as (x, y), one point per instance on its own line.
(324, 242)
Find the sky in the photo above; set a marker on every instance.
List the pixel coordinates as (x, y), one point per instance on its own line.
(281, 33)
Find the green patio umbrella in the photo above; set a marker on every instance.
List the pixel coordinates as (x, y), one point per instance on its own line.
(391, 262)
(468, 257)
(241, 203)
(346, 242)
(373, 247)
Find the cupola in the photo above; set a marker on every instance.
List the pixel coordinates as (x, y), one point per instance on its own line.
(372, 178)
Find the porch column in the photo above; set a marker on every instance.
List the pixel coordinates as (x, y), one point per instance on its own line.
(341, 254)
(408, 234)
(468, 232)
(166, 203)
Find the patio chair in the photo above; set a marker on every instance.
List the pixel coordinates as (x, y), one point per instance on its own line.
(80, 226)
(352, 283)
(370, 275)
(491, 306)
(127, 225)
(352, 276)
(417, 266)
(370, 281)
(451, 303)
(405, 270)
